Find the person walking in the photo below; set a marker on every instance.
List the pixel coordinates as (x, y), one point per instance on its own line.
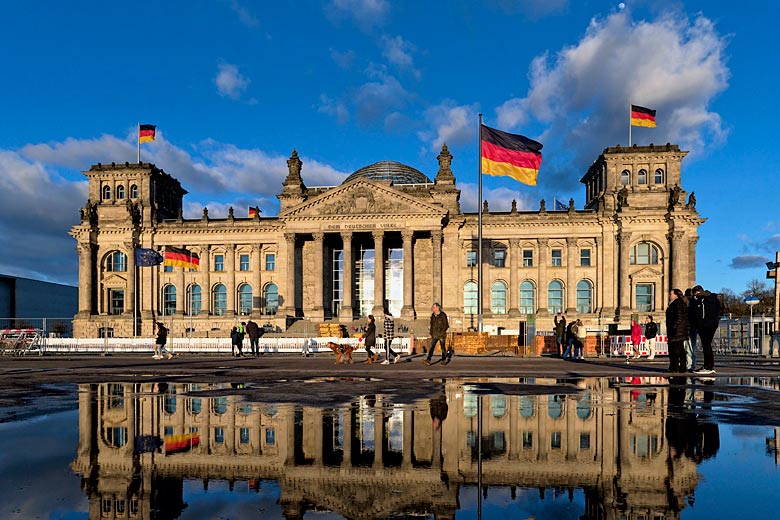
(677, 330)
(438, 332)
(389, 337)
(651, 331)
(236, 342)
(160, 341)
(560, 333)
(579, 340)
(253, 331)
(706, 319)
(369, 338)
(636, 339)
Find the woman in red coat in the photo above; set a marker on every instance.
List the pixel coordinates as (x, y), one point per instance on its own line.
(636, 338)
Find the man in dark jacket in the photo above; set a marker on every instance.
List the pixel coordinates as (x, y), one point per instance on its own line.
(677, 330)
(438, 330)
(560, 332)
(254, 332)
(706, 317)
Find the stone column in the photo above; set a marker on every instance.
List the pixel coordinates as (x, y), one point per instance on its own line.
(230, 267)
(130, 289)
(205, 286)
(407, 311)
(289, 291)
(379, 273)
(408, 441)
(624, 284)
(679, 273)
(346, 459)
(318, 311)
(542, 281)
(86, 273)
(181, 290)
(379, 434)
(598, 291)
(514, 283)
(257, 290)
(346, 312)
(691, 260)
(571, 279)
(436, 236)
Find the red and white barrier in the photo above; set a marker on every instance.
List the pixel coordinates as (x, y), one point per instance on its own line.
(622, 346)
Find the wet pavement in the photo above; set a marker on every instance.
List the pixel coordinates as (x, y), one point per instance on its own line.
(288, 437)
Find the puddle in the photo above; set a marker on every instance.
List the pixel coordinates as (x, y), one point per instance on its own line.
(522, 448)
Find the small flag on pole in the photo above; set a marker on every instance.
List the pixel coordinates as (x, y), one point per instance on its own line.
(254, 212)
(180, 257)
(146, 133)
(145, 257)
(510, 155)
(560, 206)
(641, 116)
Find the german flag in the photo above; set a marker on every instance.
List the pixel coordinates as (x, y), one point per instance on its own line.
(254, 212)
(146, 133)
(641, 116)
(510, 155)
(179, 257)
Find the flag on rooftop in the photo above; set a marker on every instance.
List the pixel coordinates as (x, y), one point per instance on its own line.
(641, 116)
(560, 206)
(510, 155)
(146, 133)
(254, 211)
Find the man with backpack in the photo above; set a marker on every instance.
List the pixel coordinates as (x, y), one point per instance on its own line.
(706, 316)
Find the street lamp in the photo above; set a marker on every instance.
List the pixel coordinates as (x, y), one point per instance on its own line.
(751, 300)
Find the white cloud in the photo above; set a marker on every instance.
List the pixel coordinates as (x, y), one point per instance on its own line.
(246, 16)
(231, 83)
(333, 107)
(499, 199)
(374, 100)
(449, 123)
(671, 64)
(367, 14)
(398, 52)
(343, 59)
(532, 9)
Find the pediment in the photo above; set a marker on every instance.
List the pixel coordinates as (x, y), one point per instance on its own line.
(646, 273)
(114, 280)
(363, 197)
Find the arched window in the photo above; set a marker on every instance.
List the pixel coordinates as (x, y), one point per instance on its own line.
(470, 298)
(169, 300)
(643, 253)
(625, 177)
(641, 178)
(555, 297)
(194, 300)
(583, 407)
(555, 406)
(498, 405)
(133, 191)
(659, 176)
(245, 299)
(584, 297)
(271, 298)
(120, 192)
(116, 262)
(527, 303)
(220, 405)
(498, 298)
(169, 404)
(220, 300)
(470, 405)
(527, 406)
(106, 192)
(196, 405)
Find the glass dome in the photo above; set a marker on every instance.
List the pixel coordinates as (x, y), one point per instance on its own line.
(392, 171)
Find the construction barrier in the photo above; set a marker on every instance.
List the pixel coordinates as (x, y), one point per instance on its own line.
(19, 342)
(621, 346)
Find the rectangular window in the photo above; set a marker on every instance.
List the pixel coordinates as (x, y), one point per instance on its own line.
(270, 436)
(499, 258)
(168, 268)
(584, 441)
(270, 261)
(168, 431)
(555, 440)
(219, 262)
(244, 436)
(117, 301)
(528, 258)
(338, 280)
(585, 257)
(557, 257)
(528, 440)
(471, 258)
(243, 263)
(219, 435)
(644, 297)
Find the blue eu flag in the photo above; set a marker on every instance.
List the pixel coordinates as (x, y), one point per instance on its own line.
(147, 257)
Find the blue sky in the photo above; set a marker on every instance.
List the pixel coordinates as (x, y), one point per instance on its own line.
(235, 85)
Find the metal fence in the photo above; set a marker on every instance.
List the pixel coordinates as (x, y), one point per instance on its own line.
(51, 327)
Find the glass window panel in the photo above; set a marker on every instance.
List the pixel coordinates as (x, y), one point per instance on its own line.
(556, 257)
(499, 258)
(498, 298)
(471, 258)
(169, 300)
(584, 297)
(220, 300)
(527, 303)
(528, 258)
(585, 257)
(271, 299)
(219, 262)
(270, 262)
(243, 263)
(245, 299)
(644, 297)
(555, 297)
(470, 298)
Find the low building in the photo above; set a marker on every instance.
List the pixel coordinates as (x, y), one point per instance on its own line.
(388, 236)
(26, 303)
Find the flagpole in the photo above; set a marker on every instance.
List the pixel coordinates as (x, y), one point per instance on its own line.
(479, 232)
(136, 299)
(185, 294)
(629, 124)
(138, 141)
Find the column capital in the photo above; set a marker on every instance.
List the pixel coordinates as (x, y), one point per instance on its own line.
(84, 247)
(542, 242)
(346, 235)
(407, 234)
(675, 236)
(289, 237)
(378, 235)
(318, 237)
(514, 243)
(257, 247)
(571, 241)
(624, 237)
(229, 248)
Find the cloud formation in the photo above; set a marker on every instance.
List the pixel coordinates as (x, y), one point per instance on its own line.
(246, 16)
(231, 83)
(748, 262)
(398, 52)
(449, 123)
(580, 95)
(366, 14)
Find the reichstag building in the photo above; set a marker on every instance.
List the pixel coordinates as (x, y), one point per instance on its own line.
(389, 235)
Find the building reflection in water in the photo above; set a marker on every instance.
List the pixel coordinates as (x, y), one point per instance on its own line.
(632, 447)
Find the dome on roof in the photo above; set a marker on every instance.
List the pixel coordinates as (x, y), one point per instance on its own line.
(392, 171)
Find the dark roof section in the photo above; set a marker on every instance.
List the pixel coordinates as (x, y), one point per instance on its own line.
(391, 171)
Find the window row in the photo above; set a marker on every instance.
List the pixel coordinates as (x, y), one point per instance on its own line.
(219, 299)
(116, 261)
(105, 193)
(556, 258)
(528, 406)
(642, 177)
(555, 297)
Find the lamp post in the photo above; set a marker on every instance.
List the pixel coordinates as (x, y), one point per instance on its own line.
(751, 301)
(772, 273)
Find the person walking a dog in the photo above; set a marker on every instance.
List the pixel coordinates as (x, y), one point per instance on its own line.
(369, 339)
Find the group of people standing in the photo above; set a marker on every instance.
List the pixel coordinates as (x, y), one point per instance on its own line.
(239, 332)
(693, 313)
(570, 338)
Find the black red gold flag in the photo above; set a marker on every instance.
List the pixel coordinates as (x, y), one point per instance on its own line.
(641, 116)
(146, 133)
(511, 155)
(179, 257)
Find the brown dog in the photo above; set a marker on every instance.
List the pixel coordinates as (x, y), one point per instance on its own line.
(341, 351)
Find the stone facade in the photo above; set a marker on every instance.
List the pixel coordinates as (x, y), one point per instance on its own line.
(633, 241)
